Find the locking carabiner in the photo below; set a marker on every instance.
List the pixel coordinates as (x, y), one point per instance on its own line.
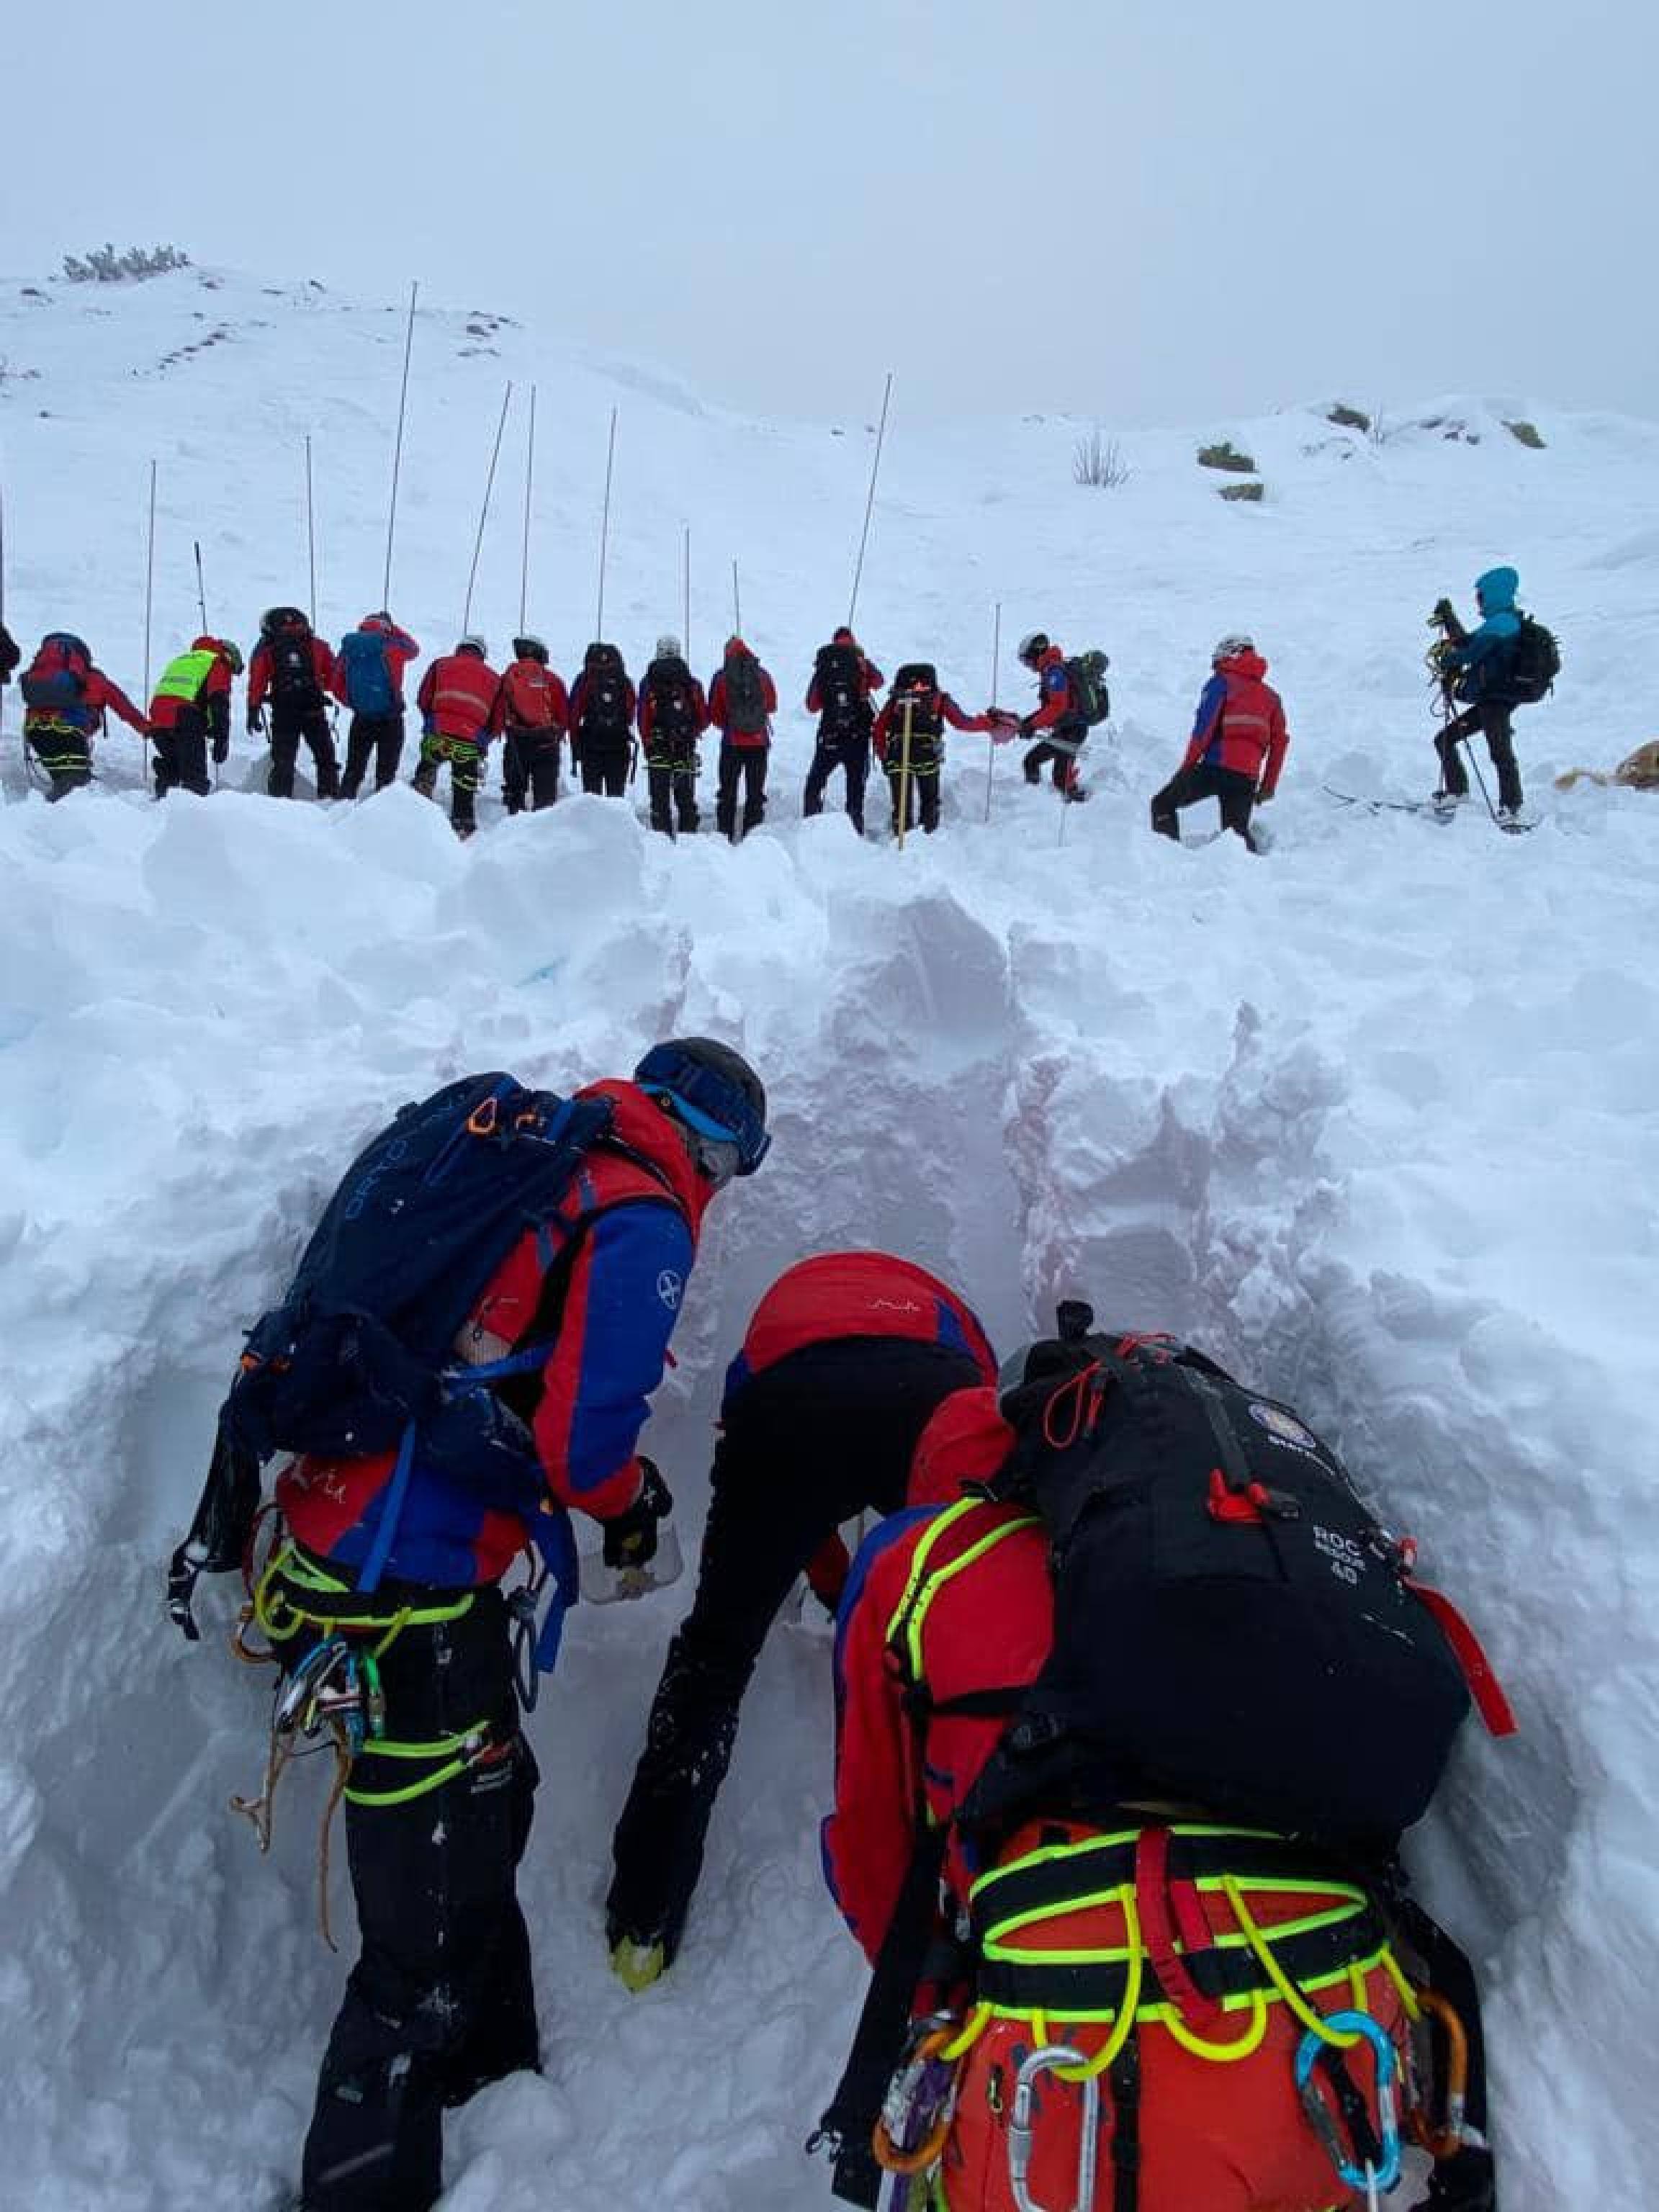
(1020, 2131)
(1354, 2175)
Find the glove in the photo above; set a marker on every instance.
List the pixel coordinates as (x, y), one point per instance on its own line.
(1463, 2183)
(1445, 613)
(630, 1538)
(222, 746)
(1025, 725)
(256, 721)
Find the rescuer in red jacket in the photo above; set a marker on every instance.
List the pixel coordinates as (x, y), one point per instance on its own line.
(190, 711)
(742, 701)
(846, 1356)
(65, 699)
(457, 699)
(910, 741)
(1056, 722)
(845, 681)
(532, 712)
(950, 1603)
(1237, 746)
(295, 671)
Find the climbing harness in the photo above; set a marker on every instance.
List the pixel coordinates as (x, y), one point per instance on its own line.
(1356, 2168)
(1070, 2064)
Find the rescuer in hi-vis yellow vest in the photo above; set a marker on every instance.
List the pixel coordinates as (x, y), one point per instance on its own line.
(191, 710)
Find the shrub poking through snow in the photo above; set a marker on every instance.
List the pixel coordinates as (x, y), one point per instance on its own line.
(104, 265)
(1526, 433)
(1099, 460)
(1348, 418)
(1226, 455)
(1241, 491)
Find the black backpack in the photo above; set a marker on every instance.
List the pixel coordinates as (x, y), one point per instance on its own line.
(1086, 674)
(287, 635)
(673, 716)
(1534, 664)
(1233, 1627)
(604, 694)
(843, 704)
(746, 696)
(915, 686)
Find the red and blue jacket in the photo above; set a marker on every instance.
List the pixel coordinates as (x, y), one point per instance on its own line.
(1240, 724)
(1054, 701)
(624, 1240)
(836, 1295)
(399, 647)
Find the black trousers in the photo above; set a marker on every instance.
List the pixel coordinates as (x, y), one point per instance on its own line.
(288, 725)
(530, 769)
(924, 780)
(1057, 754)
(673, 786)
(747, 763)
(179, 762)
(604, 766)
(1235, 790)
(1490, 719)
(65, 755)
(379, 738)
(440, 2000)
(826, 1434)
(850, 754)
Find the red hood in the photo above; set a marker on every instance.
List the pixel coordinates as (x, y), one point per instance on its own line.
(1051, 658)
(642, 1125)
(1244, 664)
(966, 1440)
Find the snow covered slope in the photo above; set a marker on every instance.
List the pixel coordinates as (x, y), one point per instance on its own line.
(1371, 1118)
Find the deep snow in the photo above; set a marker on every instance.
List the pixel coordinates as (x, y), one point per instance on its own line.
(1370, 1118)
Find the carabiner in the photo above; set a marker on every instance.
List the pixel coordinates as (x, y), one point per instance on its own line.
(915, 2113)
(1020, 2133)
(1445, 2141)
(1365, 2175)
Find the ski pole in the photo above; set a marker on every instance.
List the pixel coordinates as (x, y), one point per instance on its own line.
(904, 772)
(483, 512)
(528, 494)
(604, 523)
(1479, 778)
(398, 448)
(991, 747)
(870, 501)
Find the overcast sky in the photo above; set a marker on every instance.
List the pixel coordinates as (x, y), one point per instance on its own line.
(1137, 212)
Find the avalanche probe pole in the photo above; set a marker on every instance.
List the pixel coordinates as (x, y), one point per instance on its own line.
(483, 512)
(311, 533)
(201, 588)
(529, 495)
(686, 591)
(604, 523)
(996, 657)
(397, 450)
(869, 504)
(149, 597)
(737, 603)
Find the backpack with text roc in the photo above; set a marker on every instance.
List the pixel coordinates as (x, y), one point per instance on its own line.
(1534, 664)
(746, 696)
(1233, 1629)
(366, 670)
(1086, 674)
(843, 703)
(604, 694)
(360, 1355)
(56, 679)
(673, 708)
(287, 638)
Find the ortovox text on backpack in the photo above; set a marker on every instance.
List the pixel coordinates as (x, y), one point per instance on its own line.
(1232, 1628)
(360, 1356)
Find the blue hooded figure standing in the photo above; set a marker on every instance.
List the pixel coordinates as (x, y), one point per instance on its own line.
(1476, 666)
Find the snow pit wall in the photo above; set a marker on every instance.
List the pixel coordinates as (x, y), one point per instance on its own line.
(209, 1007)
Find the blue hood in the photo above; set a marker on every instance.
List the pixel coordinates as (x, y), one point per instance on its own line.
(1496, 591)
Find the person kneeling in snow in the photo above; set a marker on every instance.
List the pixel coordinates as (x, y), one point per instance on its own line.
(1078, 1687)
(846, 1356)
(380, 1596)
(1238, 747)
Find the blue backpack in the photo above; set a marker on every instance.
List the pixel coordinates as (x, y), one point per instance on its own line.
(359, 1356)
(368, 686)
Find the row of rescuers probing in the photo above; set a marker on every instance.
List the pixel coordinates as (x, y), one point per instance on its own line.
(1133, 1696)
